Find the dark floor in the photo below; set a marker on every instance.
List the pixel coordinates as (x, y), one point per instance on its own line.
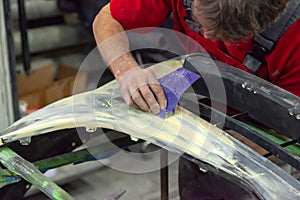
(91, 181)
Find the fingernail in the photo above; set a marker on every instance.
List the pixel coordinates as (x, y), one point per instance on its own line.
(163, 107)
(155, 109)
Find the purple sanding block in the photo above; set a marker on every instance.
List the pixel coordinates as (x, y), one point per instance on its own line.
(174, 85)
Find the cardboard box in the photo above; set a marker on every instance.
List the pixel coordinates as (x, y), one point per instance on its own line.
(42, 88)
(71, 73)
(34, 99)
(58, 90)
(38, 78)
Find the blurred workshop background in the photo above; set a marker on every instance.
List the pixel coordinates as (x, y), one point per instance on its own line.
(43, 43)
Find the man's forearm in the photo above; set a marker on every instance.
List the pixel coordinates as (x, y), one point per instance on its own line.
(113, 43)
(139, 87)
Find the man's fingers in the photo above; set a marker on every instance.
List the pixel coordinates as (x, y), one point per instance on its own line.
(159, 94)
(156, 89)
(150, 99)
(127, 98)
(140, 87)
(139, 100)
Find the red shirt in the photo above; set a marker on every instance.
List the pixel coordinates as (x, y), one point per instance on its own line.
(282, 64)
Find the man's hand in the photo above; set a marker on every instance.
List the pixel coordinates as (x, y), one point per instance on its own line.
(141, 88)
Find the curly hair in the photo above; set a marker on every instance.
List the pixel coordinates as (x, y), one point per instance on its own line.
(237, 20)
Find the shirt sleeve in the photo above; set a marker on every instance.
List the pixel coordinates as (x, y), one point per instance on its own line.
(140, 13)
(284, 61)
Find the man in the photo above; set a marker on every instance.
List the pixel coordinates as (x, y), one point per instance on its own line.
(226, 31)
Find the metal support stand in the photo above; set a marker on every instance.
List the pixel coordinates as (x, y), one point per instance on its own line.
(164, 173)
(24, 36)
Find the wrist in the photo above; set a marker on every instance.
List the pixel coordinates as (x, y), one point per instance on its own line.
(122, 66)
